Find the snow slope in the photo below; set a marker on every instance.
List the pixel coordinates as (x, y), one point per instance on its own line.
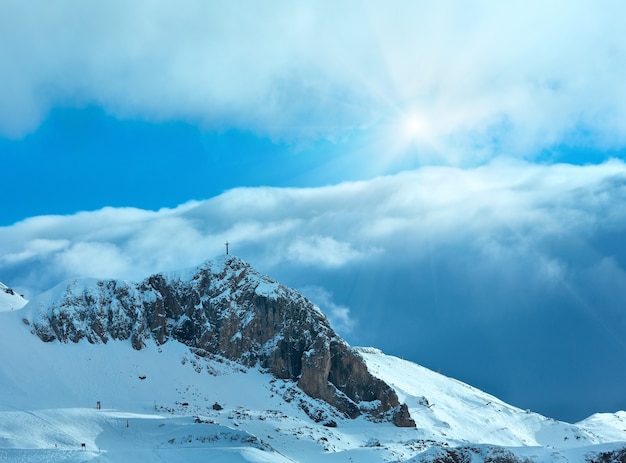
(166, 396)
(164, 404)
(50, 392)
(435, 402)
(9, 299)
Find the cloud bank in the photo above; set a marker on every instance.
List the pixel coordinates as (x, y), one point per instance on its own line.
(510, 267)
(480, 79)
(504, 211)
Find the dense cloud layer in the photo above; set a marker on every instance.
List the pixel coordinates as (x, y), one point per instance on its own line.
(457, 82)
(474, 271)
(503, 211)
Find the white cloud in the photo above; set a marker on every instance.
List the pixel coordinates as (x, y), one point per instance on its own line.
(486, 79)
(321, 250)
(35, 248)
(89, 259)
(502, 211)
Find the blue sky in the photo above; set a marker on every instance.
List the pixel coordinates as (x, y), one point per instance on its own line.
(143, 164)
(445, 179)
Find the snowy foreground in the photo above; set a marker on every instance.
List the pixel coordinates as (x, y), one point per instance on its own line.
(163, 404)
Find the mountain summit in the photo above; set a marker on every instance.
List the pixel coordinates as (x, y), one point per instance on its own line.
(222, 308)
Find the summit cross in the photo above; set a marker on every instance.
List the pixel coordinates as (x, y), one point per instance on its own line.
(226, 244)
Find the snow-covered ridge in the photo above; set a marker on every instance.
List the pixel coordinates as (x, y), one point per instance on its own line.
(9, 299)
(221, 281)
(446, 409)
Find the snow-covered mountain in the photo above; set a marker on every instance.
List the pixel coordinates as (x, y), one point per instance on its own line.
(9, 299)
(83, 365)
(225, 308)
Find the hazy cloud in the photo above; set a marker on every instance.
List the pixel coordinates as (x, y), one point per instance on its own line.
(457, 82)
(321, 250)
(505, 212)
(338, 315)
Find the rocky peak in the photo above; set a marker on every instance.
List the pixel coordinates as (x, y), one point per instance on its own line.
(223, 307)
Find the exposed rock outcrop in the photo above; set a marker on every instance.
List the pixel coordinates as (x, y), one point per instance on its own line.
(226, 308)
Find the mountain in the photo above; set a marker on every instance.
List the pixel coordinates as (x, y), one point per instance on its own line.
(131, 371)
(224, 307)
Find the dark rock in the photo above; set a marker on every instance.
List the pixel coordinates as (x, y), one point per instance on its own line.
(613, 456)
(469, 454)
(402, 417)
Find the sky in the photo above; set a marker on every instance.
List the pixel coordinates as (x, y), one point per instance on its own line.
(445, 179)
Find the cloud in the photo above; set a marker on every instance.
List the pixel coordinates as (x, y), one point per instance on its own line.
(503, 211)
(510, 267)
(321, 250)
(35, 248)
(513, 79)
(92, 258)
(338, 315)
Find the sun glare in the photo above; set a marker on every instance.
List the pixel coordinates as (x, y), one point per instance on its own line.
(413, 126)
(403, 142)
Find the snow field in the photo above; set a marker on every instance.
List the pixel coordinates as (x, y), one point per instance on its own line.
(163, 404)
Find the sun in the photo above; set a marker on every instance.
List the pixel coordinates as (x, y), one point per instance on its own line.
(413, 126)
(404, 139)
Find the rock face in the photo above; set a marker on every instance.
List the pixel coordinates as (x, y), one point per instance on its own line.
(226, 308)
